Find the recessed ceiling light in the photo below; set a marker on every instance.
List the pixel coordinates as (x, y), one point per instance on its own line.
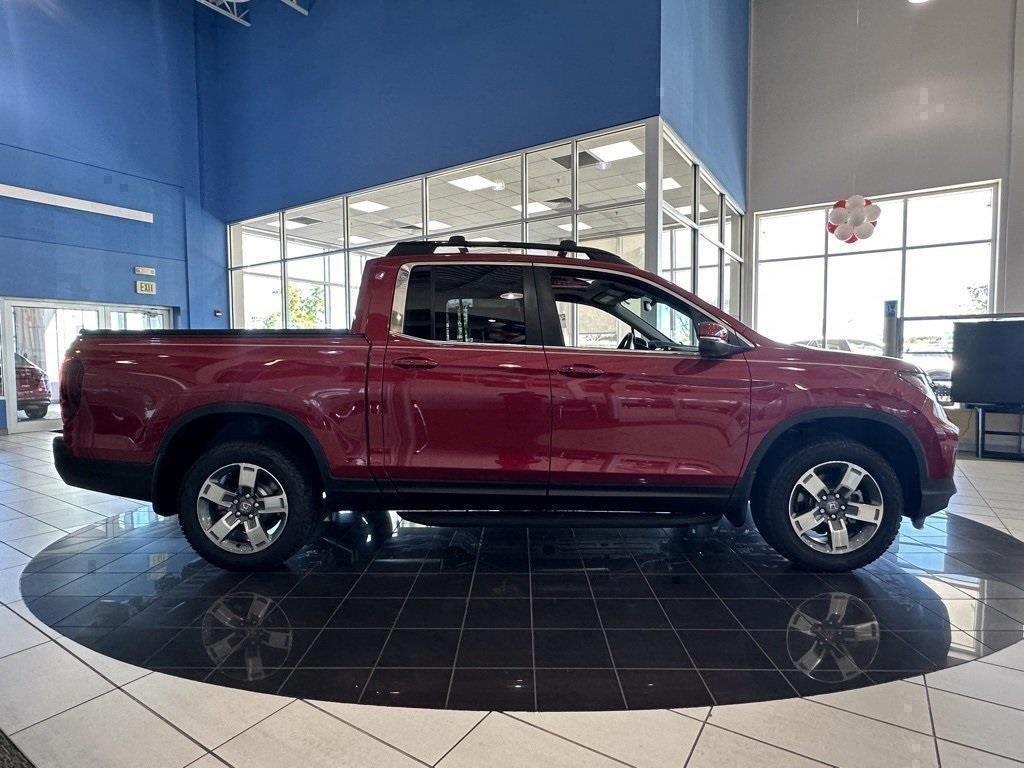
(473, 183)
(357, 240)
(511, 296)
(620, 150)
(917, 2)
(484, 239)
(368, 206)
(434, 225)
(666, 184)
(533, 208)
(686, 209)
(580, 226)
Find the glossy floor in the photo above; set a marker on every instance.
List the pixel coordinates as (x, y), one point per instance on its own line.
(379, 611)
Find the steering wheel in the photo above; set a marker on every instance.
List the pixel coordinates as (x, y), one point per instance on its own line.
(627, 340)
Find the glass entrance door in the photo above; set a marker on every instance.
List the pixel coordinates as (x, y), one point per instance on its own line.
(34, 336)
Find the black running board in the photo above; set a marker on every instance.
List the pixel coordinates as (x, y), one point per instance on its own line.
(545, 518)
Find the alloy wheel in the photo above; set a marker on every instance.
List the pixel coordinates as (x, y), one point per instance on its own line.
(242, 508)
(836, 507)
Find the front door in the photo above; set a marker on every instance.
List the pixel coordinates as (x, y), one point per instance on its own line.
(466, 391)
(638, 415)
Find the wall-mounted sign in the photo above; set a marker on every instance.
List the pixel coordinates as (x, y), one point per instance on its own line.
(145, 287)
(145, 271)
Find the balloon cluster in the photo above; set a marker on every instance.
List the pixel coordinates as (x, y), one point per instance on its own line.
(853, 219)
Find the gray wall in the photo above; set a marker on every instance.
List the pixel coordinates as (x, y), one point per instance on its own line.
(835, 110)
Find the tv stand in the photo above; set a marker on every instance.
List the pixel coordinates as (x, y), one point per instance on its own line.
(981, 432)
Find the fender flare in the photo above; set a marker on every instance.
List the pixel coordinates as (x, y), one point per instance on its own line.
(737, 507)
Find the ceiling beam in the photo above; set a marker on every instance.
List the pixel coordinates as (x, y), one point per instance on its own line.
(235, 10)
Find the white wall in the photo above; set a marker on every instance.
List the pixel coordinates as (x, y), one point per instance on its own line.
(917, 96)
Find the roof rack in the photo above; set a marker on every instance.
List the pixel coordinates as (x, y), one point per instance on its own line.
(564, 247)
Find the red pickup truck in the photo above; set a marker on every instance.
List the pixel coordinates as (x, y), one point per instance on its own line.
(477, 386)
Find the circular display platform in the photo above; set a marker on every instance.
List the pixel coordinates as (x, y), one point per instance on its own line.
(380, 611)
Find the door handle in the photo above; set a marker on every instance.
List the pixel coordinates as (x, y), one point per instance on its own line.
(415, 363)
(580, 371)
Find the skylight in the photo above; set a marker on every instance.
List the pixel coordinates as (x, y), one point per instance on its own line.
(620, 150)
(368, 206)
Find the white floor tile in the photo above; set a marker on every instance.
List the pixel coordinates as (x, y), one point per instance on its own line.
(426, 734)
(211, 714)
(982, 681)
(208, 761)
(978, 724)
(33, 545)
(40, 682)
(718, 748)
(698, 713)
(12, 530)
(646, 739)
(66, 519)
(501, 742)
(16, 634)
(827, 734)
(10, 557)
(111, 731)
(959, 756)
(304, 736)
(116, 671)
(900, 703)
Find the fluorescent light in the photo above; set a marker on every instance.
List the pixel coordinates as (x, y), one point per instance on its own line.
(511, 296)
(666, 184)
(435, 225)
(368, 206)
(357, 240)
(533, 208)
(484, 239)
(473, 183)
(620, 150)
(686, 210)
(580, 226)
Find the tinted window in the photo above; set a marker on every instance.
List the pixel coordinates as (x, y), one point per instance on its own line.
(468, 303)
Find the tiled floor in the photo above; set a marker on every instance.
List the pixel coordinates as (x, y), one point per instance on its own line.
(65, 704)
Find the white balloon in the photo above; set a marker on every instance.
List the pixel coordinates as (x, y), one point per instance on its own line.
(843, 231)
(864, 231)
(838, 215)
(873, 211)
(857, 217)
(855, 201)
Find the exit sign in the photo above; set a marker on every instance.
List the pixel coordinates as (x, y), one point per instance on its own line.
(145, 287)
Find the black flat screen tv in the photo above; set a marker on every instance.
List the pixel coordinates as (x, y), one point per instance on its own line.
(988, 362)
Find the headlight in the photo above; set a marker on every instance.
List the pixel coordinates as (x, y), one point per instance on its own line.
(923, 384)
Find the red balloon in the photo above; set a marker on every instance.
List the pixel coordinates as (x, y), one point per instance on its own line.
(852, 239)
(840, 204)
(831, 227)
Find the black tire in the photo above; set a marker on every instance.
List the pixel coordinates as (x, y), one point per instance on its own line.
(304, 506)
(772, 512)
(35, 412)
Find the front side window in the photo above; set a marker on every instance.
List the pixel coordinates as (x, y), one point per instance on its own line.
(603, 311)
(469, 303)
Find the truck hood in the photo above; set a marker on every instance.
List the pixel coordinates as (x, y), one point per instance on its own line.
(798, 354)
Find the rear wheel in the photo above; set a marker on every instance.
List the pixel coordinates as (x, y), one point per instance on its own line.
(246, 506)
(36, 411)
(834, 505)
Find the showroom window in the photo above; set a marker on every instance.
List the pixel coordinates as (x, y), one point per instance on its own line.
(933, 252)
(302, 268)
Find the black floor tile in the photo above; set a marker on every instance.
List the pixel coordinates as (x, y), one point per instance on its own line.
(564, 613)
(560, 585)
(620, 585)
(629, 613)
(644, 648)
(367, 612)
(346, 648)
(496, 648)
(508, 689)
(680, 586)
(383, 585)
(442, 585)
(501, 585)
(498, 613)
(420, 648)
(571, 648)
(328, 585)
(434, 613)
(762, 613)
(739, 585)
(327, 684)
(741, 686)
(699, 614)
(408, 687)
(578, 689)
(664, 688)
(724, 649)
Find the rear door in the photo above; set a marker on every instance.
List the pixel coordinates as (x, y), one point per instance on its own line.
(466, 390)
(639, 417)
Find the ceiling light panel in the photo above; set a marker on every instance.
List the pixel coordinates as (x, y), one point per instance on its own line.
(368, 206)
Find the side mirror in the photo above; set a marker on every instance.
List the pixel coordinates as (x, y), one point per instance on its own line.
(713, 340)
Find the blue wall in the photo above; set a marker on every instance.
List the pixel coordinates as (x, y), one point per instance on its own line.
(99, 101)
(363, 91)
(704, 77)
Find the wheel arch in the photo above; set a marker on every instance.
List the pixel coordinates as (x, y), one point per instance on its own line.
(878, 430)
(201, 428)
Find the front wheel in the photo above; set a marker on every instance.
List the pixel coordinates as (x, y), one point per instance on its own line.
(834, 505)
(245, 506)
(35, 412)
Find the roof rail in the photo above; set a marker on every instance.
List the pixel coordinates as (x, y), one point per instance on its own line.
(418, 247)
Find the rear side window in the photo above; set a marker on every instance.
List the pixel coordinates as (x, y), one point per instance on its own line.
(470, 303)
